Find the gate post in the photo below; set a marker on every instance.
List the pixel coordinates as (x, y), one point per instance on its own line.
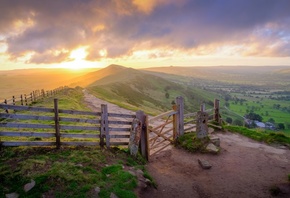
(104, 133)
(180, 116)
(217, 111)
(144, 147)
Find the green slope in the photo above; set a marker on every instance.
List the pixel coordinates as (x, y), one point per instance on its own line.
(135, 89)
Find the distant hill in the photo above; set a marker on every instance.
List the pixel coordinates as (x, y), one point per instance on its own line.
(136, 89)
(24, 81)
(254, 75)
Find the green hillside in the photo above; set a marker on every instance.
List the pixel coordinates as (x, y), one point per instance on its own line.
(136, 89)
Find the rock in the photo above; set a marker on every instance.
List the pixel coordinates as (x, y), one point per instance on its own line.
(113, 195)
(79, 165)
(27, 187)
(140, 172)
(12, 195)
(132, 173)
(212, 148)
(204, 164)
(97, 190)
(216, 141)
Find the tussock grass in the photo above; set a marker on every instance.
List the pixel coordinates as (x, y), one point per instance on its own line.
(68, 172)
(190, 142)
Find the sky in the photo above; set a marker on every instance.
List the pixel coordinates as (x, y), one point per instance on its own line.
(138, 33)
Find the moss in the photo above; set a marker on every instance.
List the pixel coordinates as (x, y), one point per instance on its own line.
(190, 142)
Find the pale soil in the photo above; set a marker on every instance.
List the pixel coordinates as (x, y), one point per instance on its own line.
(244, 168)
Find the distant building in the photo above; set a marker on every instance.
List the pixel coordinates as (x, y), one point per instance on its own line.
(260, 124)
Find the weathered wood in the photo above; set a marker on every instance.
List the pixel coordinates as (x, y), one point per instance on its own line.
(74, 112)
(202, 107)
(79, 143)
(201, 124)
(216, 111)
(25, 99)
(13, 100)
(160, 149)
(143, 141)
(189, 128)
(26, 134)
(26, 108)
(162, 125)
(175, 123)
(79, 120)
(24, 143)
(118, 129)
(121, 115)
(190, 115)
(135, 135)
(104, 126)
(120, 122)
(180, 116)
(24, 125)
(25, 117)
(162, 135)
(190, 121)
(159, 143)
(21, 99)
(168, 113)
(79, 135)
(73, 127)
(156, 132)
(119, 143)
(56, 124)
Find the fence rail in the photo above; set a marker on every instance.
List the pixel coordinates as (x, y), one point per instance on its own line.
(106, 129)
(84, 128)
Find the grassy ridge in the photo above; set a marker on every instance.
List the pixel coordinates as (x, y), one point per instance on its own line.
(268, 137)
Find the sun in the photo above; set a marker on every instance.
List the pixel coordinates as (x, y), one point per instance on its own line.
(78, 55)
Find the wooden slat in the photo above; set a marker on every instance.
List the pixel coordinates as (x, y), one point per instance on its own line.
(121, 115)
(34, 143)
(162, 125)
(156, 137)
(213, 125)
(120, 122)
(190, 115)
(79, 143)
(160, 149)
(23, 125)
(120, 136)
(162, 135)
(71, 127)
(79, 135)
(189, 128)
(119, 143)
(26, 108)
(159, 143)
(26, 134)
(74, 112)
(208, 110)
(91, 121)
(25, 117)
(190, 121)
(168, 113)
(119, 129)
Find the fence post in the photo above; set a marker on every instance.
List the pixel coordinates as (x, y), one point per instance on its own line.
(13, 100)
(21, 99)
(31, 97)
(56, 124)
(202, 107)
(217, 111)
(25, 99)
(144, 147)
(180, 115)
(5, 102)
(104, 127)
(175, 122)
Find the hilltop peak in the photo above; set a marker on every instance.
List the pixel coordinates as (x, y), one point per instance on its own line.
(114, 66)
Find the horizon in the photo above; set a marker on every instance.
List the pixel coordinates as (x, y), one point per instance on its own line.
(138, 34)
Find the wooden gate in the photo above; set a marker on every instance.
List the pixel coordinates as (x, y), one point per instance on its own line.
(162, 130)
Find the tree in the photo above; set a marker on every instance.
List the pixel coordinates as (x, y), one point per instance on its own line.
(229, 120)
(254, 116)
(281, 126)
(271, 120)
(238, 122)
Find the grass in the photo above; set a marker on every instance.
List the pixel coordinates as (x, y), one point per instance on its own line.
(190, 142)
(268, 137)
(68, 172)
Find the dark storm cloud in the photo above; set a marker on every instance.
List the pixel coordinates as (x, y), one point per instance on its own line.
(120, 27)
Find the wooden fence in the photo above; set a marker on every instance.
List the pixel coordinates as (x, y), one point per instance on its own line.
(66, 127)
(103, 128)
(27, 99)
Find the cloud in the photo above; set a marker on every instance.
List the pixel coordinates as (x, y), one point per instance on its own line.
(261, 27)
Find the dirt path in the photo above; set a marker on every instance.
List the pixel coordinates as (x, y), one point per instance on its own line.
(244, 168)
